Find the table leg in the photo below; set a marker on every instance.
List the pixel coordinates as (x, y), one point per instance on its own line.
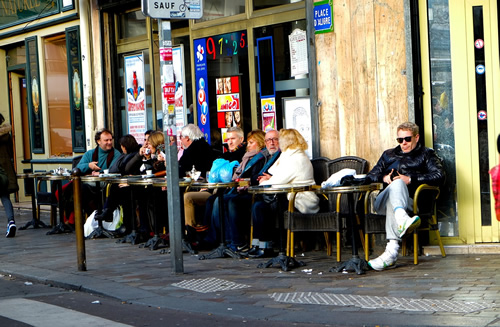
(35, 222)
(222, 250)
(284, 261)
(357, 264)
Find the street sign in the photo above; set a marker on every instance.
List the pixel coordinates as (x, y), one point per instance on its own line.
(173, 9)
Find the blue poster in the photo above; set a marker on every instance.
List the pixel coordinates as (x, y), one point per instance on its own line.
(201, 86)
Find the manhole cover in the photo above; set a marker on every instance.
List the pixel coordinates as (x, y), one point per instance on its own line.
(208, 285)
(380, 302)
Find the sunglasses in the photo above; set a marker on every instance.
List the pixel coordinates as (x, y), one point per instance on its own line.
(401, 139)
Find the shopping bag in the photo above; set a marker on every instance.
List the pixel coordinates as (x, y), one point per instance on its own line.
(495, 186)
(117, 220)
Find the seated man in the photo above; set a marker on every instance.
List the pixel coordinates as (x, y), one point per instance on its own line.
(236, 151)
(100, 158)
(402, 169)
(197, 152)
(239, 204)
(95, 161)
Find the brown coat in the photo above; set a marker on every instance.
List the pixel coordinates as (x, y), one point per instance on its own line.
(6, 158)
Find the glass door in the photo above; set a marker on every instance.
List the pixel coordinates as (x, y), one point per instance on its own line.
(461, 42)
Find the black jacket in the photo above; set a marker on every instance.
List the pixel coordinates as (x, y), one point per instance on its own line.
(199, 154)
(121, 165)
(421, 164)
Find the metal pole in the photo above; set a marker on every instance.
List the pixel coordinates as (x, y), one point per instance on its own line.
(169, 129)
(80, 240)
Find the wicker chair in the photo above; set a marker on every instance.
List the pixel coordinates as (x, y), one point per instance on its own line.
(327, 219)
(424, 205)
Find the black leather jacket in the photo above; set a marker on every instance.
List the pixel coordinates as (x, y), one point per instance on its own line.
(421, 164)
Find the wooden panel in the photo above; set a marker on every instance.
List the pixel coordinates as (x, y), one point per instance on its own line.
(360, 80)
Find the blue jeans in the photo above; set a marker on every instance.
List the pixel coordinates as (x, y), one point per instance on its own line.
(9, 210)
(236, 215)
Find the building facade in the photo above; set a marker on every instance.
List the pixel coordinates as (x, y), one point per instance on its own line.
(83, 65)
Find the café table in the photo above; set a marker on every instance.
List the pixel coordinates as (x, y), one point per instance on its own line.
(222, 250)
(35, 221)
(357, 264)
(281, 190)
(101, 178)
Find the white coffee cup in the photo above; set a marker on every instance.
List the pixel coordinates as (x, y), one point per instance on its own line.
(105, 171)
(149, 172)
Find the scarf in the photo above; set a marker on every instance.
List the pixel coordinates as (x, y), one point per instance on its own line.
(95, 156)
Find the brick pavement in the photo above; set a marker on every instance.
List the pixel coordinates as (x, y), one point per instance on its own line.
(460, 290)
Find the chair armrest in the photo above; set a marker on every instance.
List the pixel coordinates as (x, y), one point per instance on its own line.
(432, 192)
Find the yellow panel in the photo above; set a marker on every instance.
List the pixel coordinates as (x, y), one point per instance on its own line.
(461, 98)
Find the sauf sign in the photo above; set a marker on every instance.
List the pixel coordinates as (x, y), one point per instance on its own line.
(176, 9)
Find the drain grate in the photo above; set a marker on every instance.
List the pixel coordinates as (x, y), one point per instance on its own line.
(208, 285)
(380, 302)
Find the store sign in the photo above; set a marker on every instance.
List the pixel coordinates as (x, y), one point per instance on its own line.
(200, 63)
(14, 12)
(173, 9)
(323, 17)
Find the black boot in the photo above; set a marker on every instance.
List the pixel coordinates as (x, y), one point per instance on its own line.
(105, 215)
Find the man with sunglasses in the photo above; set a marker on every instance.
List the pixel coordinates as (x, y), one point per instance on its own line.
(402, 169)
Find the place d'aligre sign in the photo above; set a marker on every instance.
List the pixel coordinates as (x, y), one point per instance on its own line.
(173, 9)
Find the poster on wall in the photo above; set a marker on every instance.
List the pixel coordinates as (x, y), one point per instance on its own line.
(201, 87)
(268, 108)
(298, 52)
(136, 99)
(297, 114)
(180, 92)
(228, 102)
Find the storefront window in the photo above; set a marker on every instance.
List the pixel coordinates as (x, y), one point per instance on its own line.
(285, 85)
(214, 9)
(59, 117)
(442, 111)
(263, 4)
(222, 85)
(131, 24)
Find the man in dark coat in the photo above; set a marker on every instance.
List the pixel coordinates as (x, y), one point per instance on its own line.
(197, 152)
(402, 169)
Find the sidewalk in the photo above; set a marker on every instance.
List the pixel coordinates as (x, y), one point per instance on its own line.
(459, 290)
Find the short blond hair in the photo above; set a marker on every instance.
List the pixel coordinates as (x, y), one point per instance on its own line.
(258, 136)
(408, 126)
(291, 139)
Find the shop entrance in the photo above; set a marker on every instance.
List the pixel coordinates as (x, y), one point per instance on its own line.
(464, 75)
(20, 122)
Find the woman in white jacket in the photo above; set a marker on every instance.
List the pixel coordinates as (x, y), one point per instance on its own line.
(293, 166)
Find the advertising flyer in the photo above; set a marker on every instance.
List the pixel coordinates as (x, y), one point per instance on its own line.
(201, 87)
(136, 101)
(268, 107)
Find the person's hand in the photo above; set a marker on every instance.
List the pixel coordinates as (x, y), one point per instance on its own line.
(95, 173)
(263, 177)
(93, 166)
(405, 178)
(387, 178)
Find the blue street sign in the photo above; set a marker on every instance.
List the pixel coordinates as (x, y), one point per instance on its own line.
(323, 17)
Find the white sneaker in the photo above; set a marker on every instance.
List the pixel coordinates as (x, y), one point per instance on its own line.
(11, 229)
(408, 225)
(387, 259)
